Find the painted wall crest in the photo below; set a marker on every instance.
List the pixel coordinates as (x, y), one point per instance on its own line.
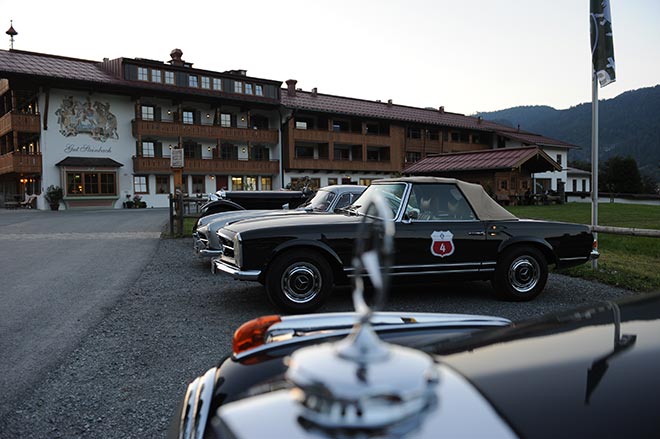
(76, 117)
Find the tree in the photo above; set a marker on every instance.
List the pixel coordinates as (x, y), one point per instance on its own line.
(620, 175)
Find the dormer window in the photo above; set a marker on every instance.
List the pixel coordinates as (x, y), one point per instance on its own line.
(193, 81)
(259, 90)
(217, 84)
(169, 78)
(248, 89)
(238, 87)
(143, 74)
(156, 76)
(206, 82)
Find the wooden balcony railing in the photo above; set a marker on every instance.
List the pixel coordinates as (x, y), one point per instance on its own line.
(207, 166)
(321, 136)
(25, 123)
(342, 165)
(176, 129)
(20, 163)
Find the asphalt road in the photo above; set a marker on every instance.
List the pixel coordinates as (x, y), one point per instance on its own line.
(159, 321)
(61, 272)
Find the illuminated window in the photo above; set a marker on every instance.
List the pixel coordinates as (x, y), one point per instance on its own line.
(237, 183)
(266, 183)
(90, 183)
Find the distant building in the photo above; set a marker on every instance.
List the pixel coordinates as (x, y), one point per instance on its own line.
(104, 132)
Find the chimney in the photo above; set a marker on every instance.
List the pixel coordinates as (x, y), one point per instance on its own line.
(291, 87)
(314, 92)
(389, 102)
(441, 110)
(479, 120)
(176, 55)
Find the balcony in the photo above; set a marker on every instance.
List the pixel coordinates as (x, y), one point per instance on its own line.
(19, 163)
(342, 165)
(161, 165)
(177, 129)
(24, 123)
(324, 136)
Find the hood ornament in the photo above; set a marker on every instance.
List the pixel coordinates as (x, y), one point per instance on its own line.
(357, 383)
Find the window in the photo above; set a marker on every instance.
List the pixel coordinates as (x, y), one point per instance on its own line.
(147, 112)
(584, 185)
(228, 151)
(217, 84)
(143, 74)
(248, 89)
(504, 184)
(414, 133)
(559, 159)
(266, 184)
(162, 184)
(455, 137)
(304, 152)
(259, 90)
(238, 87)
(342, 153)
(332, 181)
(250, 183)
(193, 81)
(169, 78)
(366, 181)
(206, 82)
(237, 183)
(192, 150)
(225, 120)
(198, 185)
(574, 185)
(412, 157)
(340, 125)
(188, 117)
(147, 149)
(260, 152)
(140, 184)
(156, 76)
(301, 125)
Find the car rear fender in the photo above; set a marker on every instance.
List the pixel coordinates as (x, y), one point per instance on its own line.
(534, 241)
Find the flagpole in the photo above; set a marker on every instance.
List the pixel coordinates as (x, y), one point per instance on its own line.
(594, 161)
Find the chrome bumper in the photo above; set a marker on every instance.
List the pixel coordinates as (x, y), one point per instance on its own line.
(218, 266)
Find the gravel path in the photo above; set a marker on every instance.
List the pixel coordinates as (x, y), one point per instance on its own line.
(129, 373)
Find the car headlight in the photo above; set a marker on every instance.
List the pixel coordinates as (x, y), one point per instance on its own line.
(238, 253)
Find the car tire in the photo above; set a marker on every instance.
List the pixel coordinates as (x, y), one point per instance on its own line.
(299, 281)
(521, 274)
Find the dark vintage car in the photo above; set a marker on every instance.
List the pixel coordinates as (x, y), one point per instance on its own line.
(227, 201)
(445, 228)
(586, 372)
(326, 199)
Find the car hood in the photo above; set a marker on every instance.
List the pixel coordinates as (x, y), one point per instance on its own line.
(573, 366)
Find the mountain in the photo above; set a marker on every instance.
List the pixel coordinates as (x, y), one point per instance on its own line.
(629, 125)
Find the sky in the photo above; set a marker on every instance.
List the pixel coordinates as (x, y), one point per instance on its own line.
(466, 55)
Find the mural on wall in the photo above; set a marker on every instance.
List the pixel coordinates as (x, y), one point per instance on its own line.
(76, 117)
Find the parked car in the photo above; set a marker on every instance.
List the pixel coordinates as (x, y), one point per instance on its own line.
(327, 199)
(226, 201)
(586, 372)
(445, 228)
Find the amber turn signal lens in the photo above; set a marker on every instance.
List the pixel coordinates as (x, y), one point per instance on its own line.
(251, 334)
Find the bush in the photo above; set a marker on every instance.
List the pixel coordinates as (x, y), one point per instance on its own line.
(54, 194)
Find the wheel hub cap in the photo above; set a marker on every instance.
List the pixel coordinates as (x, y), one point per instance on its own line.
(301, 283)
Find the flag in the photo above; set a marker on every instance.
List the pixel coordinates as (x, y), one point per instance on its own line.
(602, 42)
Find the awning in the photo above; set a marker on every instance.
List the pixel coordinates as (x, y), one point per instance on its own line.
(90, 162)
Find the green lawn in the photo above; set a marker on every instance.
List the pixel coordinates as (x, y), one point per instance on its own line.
(631, 262)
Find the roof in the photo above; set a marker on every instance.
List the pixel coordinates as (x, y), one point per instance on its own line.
(98, 162)
(485, 160)
(575, 171)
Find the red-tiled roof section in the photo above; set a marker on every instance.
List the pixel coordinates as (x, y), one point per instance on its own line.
(37, 64)
(382, 110)
(534, 139)
(491, 159)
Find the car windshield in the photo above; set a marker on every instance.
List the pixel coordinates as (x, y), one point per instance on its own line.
(320, 202)
(391, 192)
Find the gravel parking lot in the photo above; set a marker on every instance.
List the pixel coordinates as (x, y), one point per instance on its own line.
(126, 377)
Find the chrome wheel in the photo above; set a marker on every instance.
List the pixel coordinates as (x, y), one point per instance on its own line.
(301, 282)
(524, 274)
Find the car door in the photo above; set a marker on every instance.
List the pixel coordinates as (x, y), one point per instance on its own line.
(439, 233)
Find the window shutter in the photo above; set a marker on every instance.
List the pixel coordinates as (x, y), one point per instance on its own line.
(157, 113)
(158, 149)
(234, 122)
(138, 148)
(198, 117)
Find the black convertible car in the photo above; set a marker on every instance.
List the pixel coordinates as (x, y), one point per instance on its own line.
(587, 372)
(444, 228)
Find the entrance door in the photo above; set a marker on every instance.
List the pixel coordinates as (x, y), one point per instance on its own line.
(221, 182)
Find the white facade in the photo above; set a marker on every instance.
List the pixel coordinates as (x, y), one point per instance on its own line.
(559, 155)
